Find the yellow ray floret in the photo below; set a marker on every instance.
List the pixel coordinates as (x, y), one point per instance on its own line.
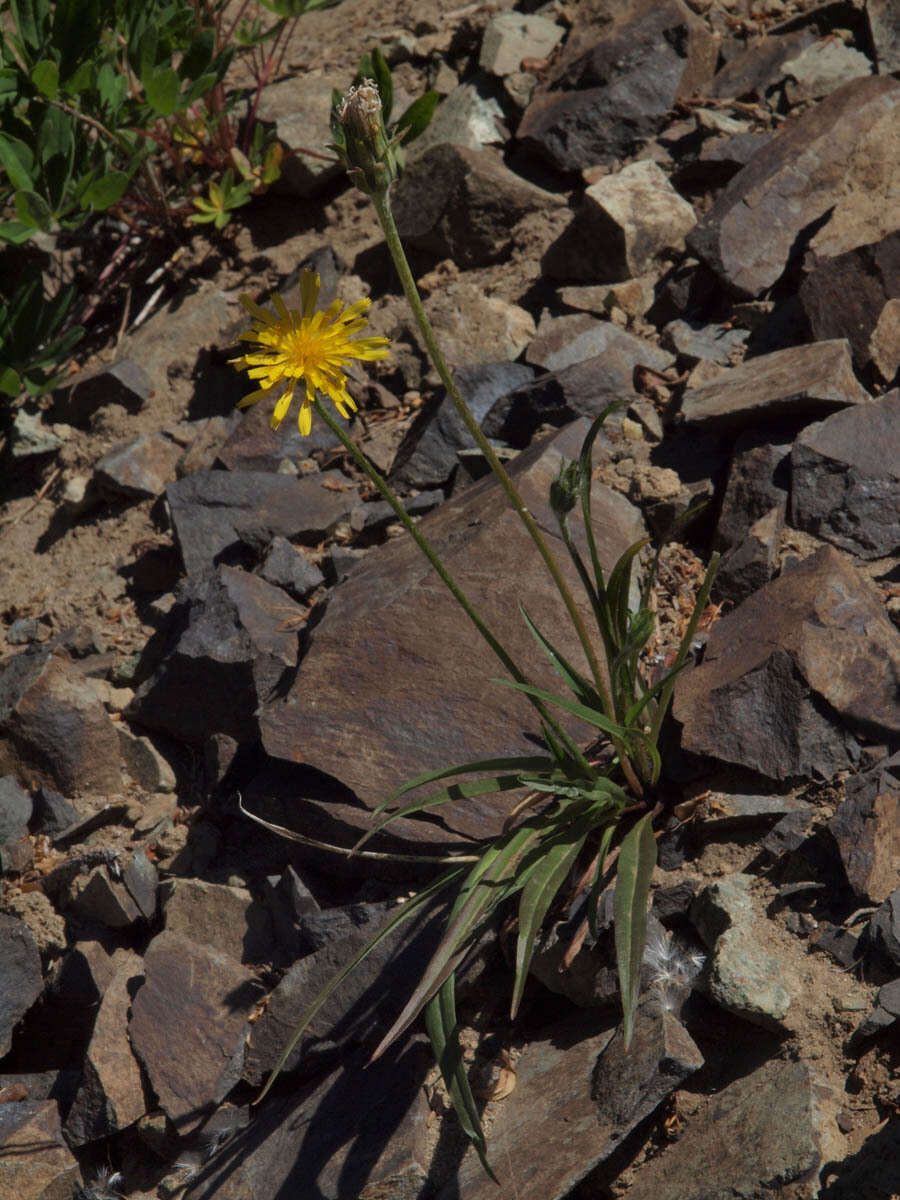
(311, 345)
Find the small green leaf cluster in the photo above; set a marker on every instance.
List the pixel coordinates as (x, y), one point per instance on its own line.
(33, 337)
(396, 134)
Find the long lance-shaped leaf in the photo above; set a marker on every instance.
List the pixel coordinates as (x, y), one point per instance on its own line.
(456, 791)
(442, 1026)
(523, 762)
(404, 913)
(620, 585)
(485, 886)
(557, 856)
(593, 900)
(637, 858)
(583, 689)
(585, 463)
(577, 710)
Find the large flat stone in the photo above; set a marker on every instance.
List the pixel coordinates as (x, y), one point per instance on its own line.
(802, 381)
(397, 680)
(764, 216)
(789, 677)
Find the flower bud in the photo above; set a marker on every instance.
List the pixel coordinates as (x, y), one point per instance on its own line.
(565, 488)
(366, 152)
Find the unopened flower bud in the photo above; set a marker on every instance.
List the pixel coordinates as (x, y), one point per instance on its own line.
(367, 153)
(565, 488)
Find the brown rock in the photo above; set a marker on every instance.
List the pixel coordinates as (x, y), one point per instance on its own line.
(757, 222)
(225, 918)
(20, 970)
(55, 727)
(35, 1162)
(188, 1023)
(753, 72)
(413, 672)
(141, 468)
(800, 381)
(111, 1095)
(97, 897)
(564, 341)
(792, 671)
(884, 344)
(884, 28)
(866, 828)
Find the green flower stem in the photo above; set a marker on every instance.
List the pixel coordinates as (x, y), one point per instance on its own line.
(431, 554)
(386, 217)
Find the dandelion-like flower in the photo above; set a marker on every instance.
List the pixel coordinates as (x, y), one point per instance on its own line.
(311, 345)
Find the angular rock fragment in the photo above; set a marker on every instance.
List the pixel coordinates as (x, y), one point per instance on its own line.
(474, 329)
(845, 477)
(253, 445)
(608, 94)
(15, 810)
(188, 1024)
(471, 117)
(763, 217)
(107, 901)
(790, 673)
(753, 73)
(884, 29)
(427, 456)
(511, 37)
(563, 341)
(749, 565)
(884, 344)
(705, 343)
(124, 382)
(35, 1162)
(820, 69)
(463, 204)
(288, 568)
(225, 918)
(883, 931)
(20, 970)
(411, 702)
(111, 1095)
(866, 829)
(54, 726)
(140, 469)
(802, 381)
(628, 223)
(215, 513)
(300, 109)
(231, 639)
(753, 1139)
(758, 481)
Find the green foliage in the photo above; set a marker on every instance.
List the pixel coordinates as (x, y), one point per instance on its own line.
(223, 198)
(32, 335)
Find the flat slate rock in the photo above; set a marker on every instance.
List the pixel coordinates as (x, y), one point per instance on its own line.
(759, 221)
(845, 478)
(790, 675)
(140, 469)
(563, 341)
(802, 381)
(747, 1142)
(396, 679)
(866, 830)
(35, 1162)
(217, 513)
(15, 810)
(20, 970)
(188, 1025)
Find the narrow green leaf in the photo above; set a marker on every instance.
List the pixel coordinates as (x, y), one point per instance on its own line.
(582, 687)
(15, 232)
(619, 586)
(637, 858)
(382, 75)
(528, 762)
(404, 912)
(577, 710)
(593, 900)
(30, 207)
(443, 1031)
(557, 855)
(585, 462)
(77, 27)
(29, 16)
(417, 117)
(45, 77)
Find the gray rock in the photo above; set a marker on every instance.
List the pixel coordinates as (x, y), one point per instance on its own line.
(371, 519)
(216, 513)
(758, 481)
(144, 763)
(845, 296)
(790, 673)
(414, 652)
(361, 1132)
(97, 897)
(188, 1025)
(226, 918)
(883, 1016)
(25, 630)
(20, 969)
(463, 204)
(35, 1162)
(361, 1009)
(884, 29)
(230, 640)
(427, 455)
(564, 341)
(141, 468)
(54, 726)
(883, 931)
(845, 473)
(111, 1095)
(300, 110)
(289, 568)
(608, 94)
(30, 437)
(141, 878)
(754, 561)
(15, 810)
(821, 68)
(470, 117)
(802, 381)
(757, 223)
(864, 829)
(123, 383)
(707, 343)
(884, 344)
(474, 329)
(757, 71)
(253, 445)
(288, 900)
(511, 36)
(751, 1140)
(627, 224)
(84, 974)
(743, 977)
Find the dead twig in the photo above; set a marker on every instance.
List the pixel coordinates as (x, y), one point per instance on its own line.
(8, 522)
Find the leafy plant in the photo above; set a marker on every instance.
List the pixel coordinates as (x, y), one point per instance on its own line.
(33, 338)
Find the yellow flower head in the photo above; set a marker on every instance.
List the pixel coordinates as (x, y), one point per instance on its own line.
(308, 345)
